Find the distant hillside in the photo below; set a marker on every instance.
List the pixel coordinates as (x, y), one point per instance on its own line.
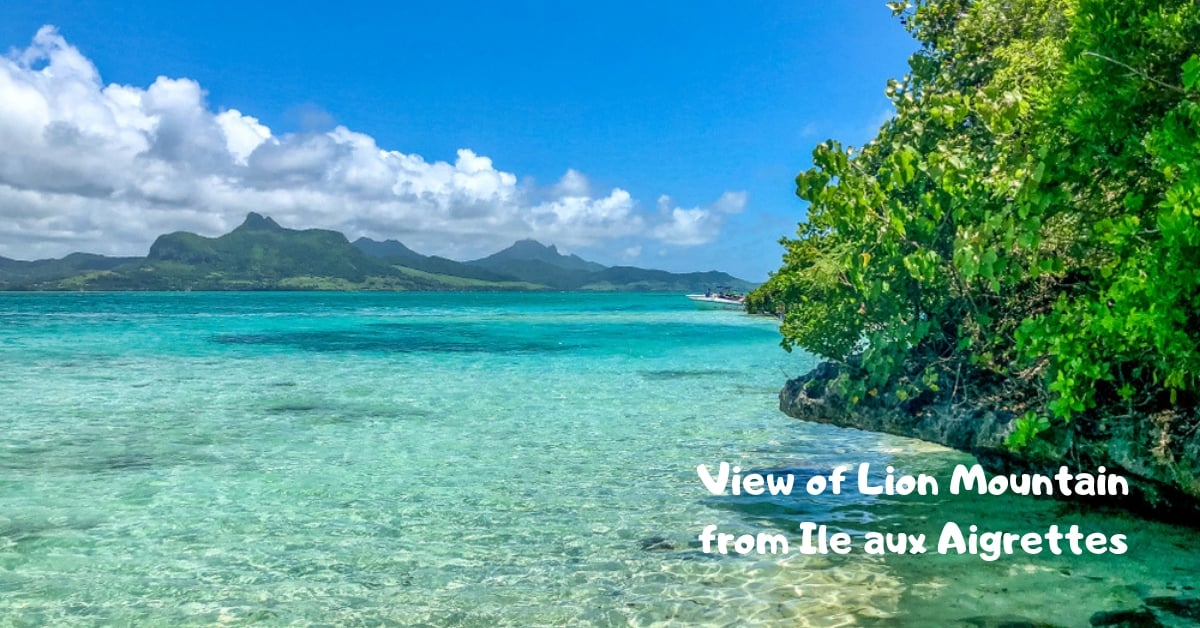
(262, 251)
(394, 252)
(16, 272)
(538, 271)
(532, 250)
(642, 279)
(532, 261)
(262, 255)
(257, 255)
(388, 249)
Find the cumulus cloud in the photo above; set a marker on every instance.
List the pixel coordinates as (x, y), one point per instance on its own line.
(242, 133)
(696, 225)
(573, 183)
(105, 168)
(731, 202)
(689, 227)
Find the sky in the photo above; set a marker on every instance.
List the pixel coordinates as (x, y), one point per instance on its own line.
(662, 135)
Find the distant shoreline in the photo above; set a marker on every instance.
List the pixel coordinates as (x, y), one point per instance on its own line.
(261, 256)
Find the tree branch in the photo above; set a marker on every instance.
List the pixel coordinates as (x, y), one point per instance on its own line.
(1174, 88)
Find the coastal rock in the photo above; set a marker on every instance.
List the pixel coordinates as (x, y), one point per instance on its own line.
(1003, 621)
(1132, 618)
(1157, 455)
(1185, 607)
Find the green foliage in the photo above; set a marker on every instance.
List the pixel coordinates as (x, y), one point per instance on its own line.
(1032, 211)
(1127, 333)
(1028, 428)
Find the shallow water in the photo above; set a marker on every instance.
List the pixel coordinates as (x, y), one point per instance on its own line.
(468, 459)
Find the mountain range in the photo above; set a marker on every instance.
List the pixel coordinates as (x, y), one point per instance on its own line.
(262, 255)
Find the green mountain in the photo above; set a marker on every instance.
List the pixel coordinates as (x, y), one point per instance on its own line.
(643, 280)
(529, 260)
(388, 249)
(532, 250)
(394, 252)
(262, 255)
(262, 251)
(15, 272)
(257, 255)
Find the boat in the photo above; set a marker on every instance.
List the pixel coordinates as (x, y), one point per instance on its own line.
(725, 300)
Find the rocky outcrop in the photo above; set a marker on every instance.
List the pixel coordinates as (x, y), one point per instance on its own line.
(1159, 455)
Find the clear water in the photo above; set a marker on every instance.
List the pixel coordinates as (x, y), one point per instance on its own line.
(469, 460)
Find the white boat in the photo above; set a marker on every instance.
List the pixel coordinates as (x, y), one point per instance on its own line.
(717, 301)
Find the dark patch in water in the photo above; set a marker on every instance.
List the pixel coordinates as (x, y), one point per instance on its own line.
(1185, 607)
(24, 450)
(262, 614)
(493, 336)
(1128, 617)
(656, 544)
(282, 384)
(755, 390)
(317, 413)
(1002, 621)
(682, 373)
(291, 408)
(33, 529)
(463, 341)
(100, 454)
(332, 419)
(126, 462)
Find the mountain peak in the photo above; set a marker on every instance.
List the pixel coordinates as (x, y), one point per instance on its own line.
(530, 250)
(529, 245)
(258, 222)
(387, 248)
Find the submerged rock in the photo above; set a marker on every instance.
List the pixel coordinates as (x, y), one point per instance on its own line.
(1003, 621)
(1130, 618)
(656, 543)
(1185, 607)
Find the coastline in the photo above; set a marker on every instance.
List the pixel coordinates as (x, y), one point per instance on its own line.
(1161, 486)
(317, 458)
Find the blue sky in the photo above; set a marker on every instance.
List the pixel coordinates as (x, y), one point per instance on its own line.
(701, 113)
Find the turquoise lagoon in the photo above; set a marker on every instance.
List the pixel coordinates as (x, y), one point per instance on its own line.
(469, 459)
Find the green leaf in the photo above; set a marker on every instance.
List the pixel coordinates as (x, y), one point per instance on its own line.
(1191, 73)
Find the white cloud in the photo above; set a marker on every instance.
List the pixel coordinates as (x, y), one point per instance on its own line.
(731, 202)
(573, 183)
(696, 225)
(567, 219)
(243, 134)
(689, 227)
(106, 168)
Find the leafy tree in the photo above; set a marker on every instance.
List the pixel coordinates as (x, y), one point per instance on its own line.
(1030, 215)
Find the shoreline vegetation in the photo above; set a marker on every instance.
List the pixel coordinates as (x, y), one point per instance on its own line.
(1012, 266)
(260, 255)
